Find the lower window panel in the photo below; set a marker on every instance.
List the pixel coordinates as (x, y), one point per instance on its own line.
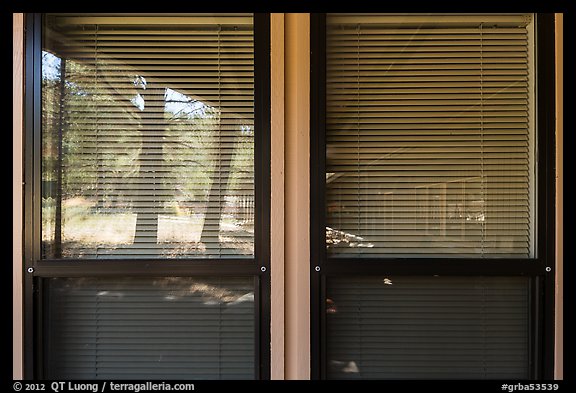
(150, 328)
(383, 327)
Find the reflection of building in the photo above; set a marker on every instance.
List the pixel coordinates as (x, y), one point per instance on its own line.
(454, 212)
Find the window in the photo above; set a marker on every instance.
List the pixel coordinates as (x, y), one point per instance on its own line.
(429, 249)
(148, 140)
(404, 327)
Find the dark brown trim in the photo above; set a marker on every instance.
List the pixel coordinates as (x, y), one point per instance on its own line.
(546, 124)
(493, 267)
(136, 267)
(262, 125)
(317, 191)
(31, 118)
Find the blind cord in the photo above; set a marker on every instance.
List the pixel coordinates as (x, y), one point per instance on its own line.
(482, 185)
(219, 142)
(359, 218)
(99, 194)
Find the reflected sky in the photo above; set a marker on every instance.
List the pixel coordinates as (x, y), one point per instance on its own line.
(175, 102)
(50, 66)
(181, 104)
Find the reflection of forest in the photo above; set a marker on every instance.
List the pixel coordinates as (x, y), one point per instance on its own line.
(155, 154)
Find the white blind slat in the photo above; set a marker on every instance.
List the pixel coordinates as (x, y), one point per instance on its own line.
(429, 131)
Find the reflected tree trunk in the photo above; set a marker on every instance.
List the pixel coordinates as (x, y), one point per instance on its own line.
(149, 185)
(210, 236)
(59, 167)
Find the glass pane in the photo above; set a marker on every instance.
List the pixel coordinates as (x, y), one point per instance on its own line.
(150, 328)
(430, 136)
(148, 136)
(427, 327)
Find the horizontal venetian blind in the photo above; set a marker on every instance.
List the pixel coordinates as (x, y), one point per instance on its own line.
(429, 135)
(148, 135)
(427, 328)
(150, 328)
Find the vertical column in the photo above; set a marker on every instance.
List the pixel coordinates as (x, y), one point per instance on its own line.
(277, 196)
(17, 194)
(559, 314)
(297, 192)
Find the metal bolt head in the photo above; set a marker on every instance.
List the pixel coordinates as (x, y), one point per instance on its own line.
(30, 270)
(317, 268)
(548, 269)
(263, 268)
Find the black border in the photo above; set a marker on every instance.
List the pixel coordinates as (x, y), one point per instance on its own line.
(546, 91)
(540, 269)
(35, 269)
(262, 173)
(317, 192)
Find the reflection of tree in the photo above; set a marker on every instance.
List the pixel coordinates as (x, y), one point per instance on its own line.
(213, 215)
(58, 169)
(144, 145)
(150, 182)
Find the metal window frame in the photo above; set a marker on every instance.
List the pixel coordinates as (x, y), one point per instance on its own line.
(36, 269)
(540, 270)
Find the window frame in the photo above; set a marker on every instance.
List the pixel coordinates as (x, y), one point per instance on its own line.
(540, 269)
(36, 268)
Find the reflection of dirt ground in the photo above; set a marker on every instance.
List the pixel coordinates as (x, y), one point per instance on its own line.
(87, 233)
